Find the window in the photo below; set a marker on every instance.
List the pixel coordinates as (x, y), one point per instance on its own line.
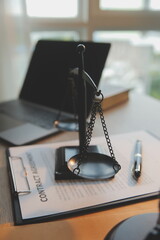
(154, 5)
(129, 5)
(131, 26)
(56, 35)
(121, 5)
(134, 59)
(57, 19)
(52, 8)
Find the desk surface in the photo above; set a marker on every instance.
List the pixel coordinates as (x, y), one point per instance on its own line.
(139, 113)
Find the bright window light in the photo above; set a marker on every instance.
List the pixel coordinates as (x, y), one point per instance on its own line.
(133, 61)
(154, 4)
(121, 5)
(150, 38)
(55, 35)
(52, 8)
(116, 35)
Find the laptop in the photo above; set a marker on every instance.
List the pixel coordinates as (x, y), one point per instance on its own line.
(44, 92)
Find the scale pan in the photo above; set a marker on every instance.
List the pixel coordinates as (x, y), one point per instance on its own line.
(94, 166)
(67, 125)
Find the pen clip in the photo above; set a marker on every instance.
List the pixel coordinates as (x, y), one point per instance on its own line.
(19, 192)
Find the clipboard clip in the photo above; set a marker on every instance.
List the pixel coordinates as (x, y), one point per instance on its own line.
(24, 175)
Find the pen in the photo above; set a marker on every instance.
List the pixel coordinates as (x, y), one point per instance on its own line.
(137, 159)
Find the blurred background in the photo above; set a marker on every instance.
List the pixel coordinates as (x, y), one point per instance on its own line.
(132, 26)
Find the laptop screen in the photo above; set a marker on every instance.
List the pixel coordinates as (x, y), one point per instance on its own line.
(47, 79)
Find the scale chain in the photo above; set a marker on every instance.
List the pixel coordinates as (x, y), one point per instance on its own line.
(106, 131)
(88, 137)
(96, 108)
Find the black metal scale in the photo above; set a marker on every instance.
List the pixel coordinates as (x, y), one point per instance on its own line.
(85, 161)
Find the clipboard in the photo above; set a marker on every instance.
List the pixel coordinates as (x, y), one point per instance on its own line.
(19, 220)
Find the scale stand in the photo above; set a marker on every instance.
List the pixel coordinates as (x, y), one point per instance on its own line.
(70, 123)
(86, 161)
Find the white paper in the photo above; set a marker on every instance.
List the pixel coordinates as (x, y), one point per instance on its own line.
(49, 196)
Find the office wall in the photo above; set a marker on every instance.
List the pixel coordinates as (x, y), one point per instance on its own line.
(14, 47)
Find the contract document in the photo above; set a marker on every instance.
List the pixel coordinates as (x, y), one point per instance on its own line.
(41, 196)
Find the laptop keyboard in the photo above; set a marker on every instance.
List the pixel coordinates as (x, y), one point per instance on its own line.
(42, 118)
(30, 113)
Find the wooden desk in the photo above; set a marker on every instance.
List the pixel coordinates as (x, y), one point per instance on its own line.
(141, 112)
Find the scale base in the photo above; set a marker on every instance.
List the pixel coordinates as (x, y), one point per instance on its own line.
(67, 125)
(134, 228)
